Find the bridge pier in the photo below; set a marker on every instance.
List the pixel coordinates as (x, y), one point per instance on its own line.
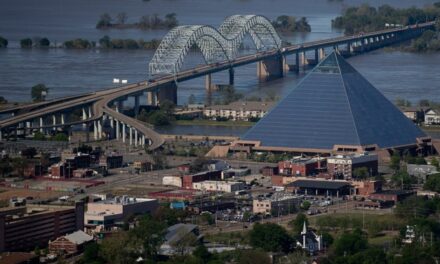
(117, 129)
(136, 138)
(270, 68)
(63, 119)
(136, 105)
(41, 125)
(167, 91)
(54, 122)
(231, 76)
(130, 129)
(124, 135)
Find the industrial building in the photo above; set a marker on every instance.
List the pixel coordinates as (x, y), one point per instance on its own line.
(24, 228)
(219, 186)
(108, 213)
(333, 110)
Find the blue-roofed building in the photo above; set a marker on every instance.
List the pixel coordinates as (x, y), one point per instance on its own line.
(333, 109)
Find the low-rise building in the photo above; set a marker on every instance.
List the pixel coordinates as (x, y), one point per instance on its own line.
(391, 195)
(82, 173)
(143, 166)
(275, 205)
(219, 186)
(343, 166)
(24, 228)
(61, 170)
(71, 243)
(108, 213)
(188, 180)
(238, 110)
(301, 166)
(365, 188)
(320, 187)
(421, 171)
(415, 114)
(111, 161)
(432, 117)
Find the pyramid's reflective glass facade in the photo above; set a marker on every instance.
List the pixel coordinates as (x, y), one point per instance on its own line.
(334, 105)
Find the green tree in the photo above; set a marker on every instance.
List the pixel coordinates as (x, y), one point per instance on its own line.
(433, 183)
(105, 42)
(105, 20)
(39, 136)
(150, 234)
(202, 253)
(118, 249)
(192, 99)
(270, 237)
(350, 243)
(305, 205)
(435, 163)
(253, 257)
(26, 43)
(3, 42)
(395, 161)
(19, 164)
(360, 173)
(91, 254)
(43, 42)
(60, 137)
(171, 20)
(298, 223)
(39, 92)
(424, 103)
(159, 118)
(121, 18)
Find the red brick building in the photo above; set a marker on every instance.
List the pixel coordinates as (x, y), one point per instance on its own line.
(343, 166)
(391, 195)
(70, 244)
(301, 166)
(188, 180)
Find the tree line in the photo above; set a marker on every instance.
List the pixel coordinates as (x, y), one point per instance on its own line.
(145, 22)
(286, 24)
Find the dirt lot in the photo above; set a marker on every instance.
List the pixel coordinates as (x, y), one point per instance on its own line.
(7, 193)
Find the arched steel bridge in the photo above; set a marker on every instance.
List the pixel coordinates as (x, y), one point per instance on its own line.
(215, 45)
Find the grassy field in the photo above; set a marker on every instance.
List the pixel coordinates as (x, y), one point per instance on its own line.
(205, 122)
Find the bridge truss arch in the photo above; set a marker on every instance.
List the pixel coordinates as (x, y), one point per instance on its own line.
(215, 45)
(263, 34)
(173, 48)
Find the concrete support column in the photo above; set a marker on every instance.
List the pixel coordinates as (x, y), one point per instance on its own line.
(95, 130)
(41, 125)
(136, 105)
(90, 112)
(167, 91)
(136, 140)
(1, 135)
(63, 119)
(123, 133)
(231, 76)
(152, 98)
(143, 140)
(117, 129)
(28, 127)
(285, 65)
(120, 106)
(208, 83)
(99, 129)
(316, 56)
(54, 122)
(131, 135)
(303, 59)
(112, 124)
(270, 68)
(84, 114)
(321, 54)
(297, 62)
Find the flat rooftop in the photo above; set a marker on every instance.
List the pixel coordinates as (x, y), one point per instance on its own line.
(316, 184)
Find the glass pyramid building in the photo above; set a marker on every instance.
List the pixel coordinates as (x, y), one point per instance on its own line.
(333, 108)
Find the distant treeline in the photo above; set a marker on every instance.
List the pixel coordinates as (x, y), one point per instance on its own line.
(145, 22)
(285, 24)
(366, 18)
(104, 43)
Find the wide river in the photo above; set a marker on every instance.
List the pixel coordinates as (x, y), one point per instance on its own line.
(397, 74)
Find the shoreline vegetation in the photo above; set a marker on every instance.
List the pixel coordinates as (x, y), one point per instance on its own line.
(106, 21)
(365, 18)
